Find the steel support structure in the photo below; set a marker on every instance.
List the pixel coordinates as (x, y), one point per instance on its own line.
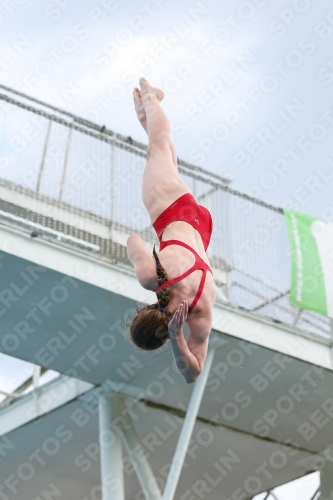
(140, 463)
(188, 425)
(112, 408)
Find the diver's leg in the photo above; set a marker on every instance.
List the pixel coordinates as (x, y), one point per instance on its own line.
(162, 184)
(141, 114)
(158, 125)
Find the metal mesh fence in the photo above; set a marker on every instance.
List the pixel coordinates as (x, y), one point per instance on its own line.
(66, 177)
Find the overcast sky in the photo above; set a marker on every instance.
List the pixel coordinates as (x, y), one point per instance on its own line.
(248, 84)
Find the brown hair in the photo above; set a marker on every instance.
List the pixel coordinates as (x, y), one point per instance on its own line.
(149, 327)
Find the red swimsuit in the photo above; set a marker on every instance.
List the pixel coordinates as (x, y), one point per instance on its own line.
(186, 209)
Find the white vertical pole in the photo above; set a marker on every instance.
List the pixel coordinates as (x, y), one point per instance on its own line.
(113, 166)
(64, 172)
(187, 428)
(36, 376)
(142, 468)
(111, 452)
(41, 168)
(326, 482)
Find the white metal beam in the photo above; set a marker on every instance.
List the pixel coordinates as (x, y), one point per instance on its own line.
(40, 229)
(112, 477)
(11, 395)
(36, 376)
(188, 425)
(143, 471)
(42, 400)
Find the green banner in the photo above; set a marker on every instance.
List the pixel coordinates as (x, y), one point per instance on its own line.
(311, 242)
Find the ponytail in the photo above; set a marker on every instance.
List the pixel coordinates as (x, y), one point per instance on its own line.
(163, 295)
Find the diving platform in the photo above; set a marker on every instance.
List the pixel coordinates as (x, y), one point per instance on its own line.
(266, 408)
(118, 423)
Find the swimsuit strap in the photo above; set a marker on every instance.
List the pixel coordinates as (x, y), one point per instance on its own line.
(199, 292)
(196, 266)
(164, 244)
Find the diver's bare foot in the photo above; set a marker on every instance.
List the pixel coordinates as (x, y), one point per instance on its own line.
(148, 90)
(139, 108)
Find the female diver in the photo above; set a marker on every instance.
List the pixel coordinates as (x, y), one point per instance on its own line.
(181, 268)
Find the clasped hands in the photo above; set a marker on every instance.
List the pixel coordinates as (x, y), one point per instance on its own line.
(175, 326)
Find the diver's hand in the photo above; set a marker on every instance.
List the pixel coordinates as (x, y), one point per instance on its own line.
(175, 326)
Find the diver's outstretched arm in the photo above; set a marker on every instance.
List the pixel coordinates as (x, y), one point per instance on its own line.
(189, 355)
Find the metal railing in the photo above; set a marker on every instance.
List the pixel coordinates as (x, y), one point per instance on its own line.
(70, 179)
